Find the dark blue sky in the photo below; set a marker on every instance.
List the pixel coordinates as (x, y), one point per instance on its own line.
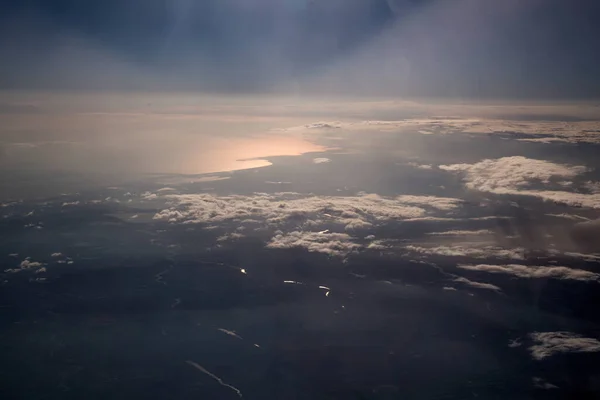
(457, 48)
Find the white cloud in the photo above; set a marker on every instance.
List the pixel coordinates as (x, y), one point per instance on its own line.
(477, 285)
(145, 196)
(230, 237)
(378, 245)
(279, 208)
(511, 173)
(516, 176)
(321, 160)
(524, 271)
(26, 264)
(333, 244)
(56, 255)
(550, 343)
(473, 252)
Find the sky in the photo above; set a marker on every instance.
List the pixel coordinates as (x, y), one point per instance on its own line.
(421, 48)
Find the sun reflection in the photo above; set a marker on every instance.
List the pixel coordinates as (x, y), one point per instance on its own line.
(242, 153)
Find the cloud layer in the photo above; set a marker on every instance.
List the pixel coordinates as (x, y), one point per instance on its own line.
(280, 208)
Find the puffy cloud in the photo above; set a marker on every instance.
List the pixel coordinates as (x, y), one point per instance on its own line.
(333, 244)
(516, 176)
(280, 208)
(548, 344)
(378, 245)
(477, 285)
(26, 264)
(524, 271)
(511, 173)
(473, 252)
(146, 196)
(56, 255)
(321, 160)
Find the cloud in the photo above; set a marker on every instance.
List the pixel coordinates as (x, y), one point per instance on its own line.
(571, 217)
(462, 233)
(56, 255)
(587, 234)
(593, 187)
(440, 203)
(321, 160)
(439, 125)
(333, 244)
(548, 344)
(511, 173)
(282, 208)
(26, 264)
(524, 271)
(543, 131)
(543, 128)
(230, 237)
(517, 176)
(473, 252)
(540, 383)
(421, 166)
(477, 285)
(146, 196)
(323, 125)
